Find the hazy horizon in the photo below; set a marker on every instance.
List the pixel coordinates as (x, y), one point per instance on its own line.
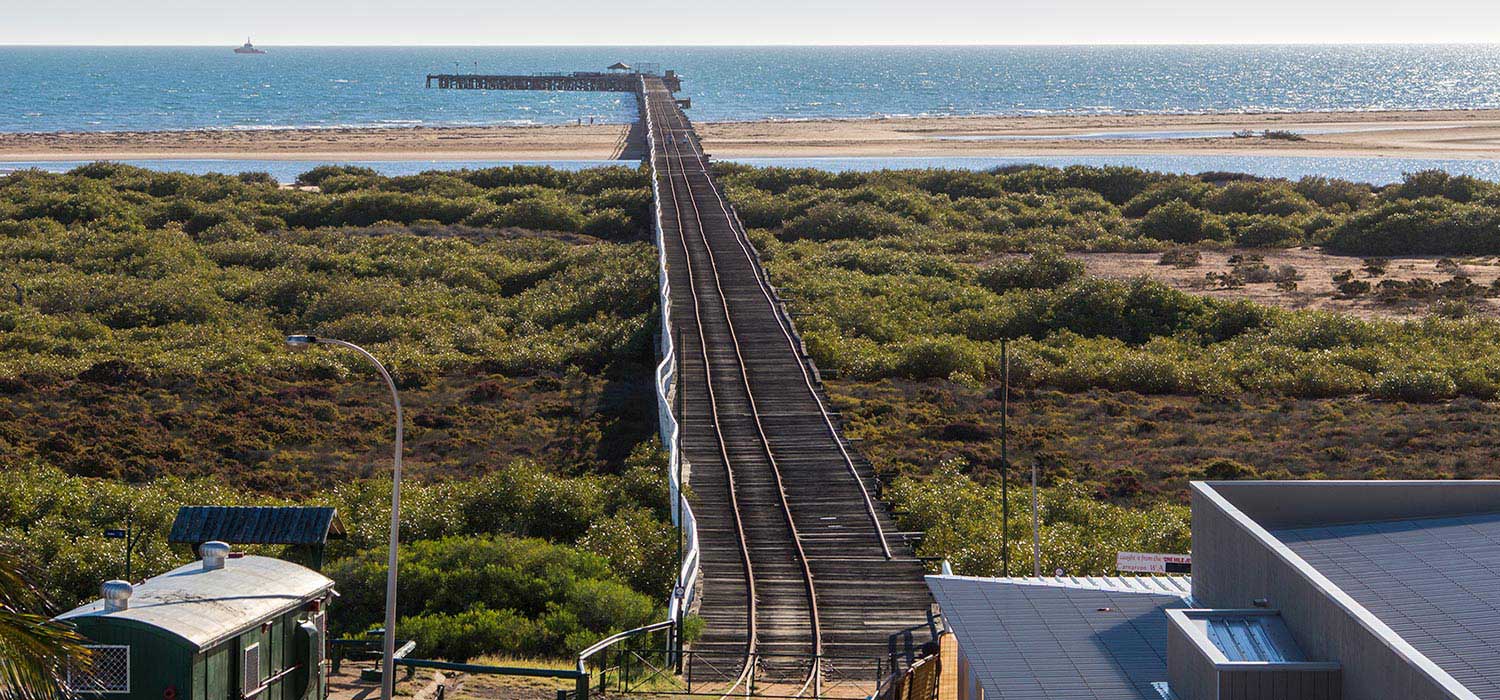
(767, 23)
(1017, 44)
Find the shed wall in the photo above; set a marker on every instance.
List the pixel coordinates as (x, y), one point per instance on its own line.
(157, 660)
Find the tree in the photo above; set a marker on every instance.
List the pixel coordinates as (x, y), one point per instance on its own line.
(33, 650)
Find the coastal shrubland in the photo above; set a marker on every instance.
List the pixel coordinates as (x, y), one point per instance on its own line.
(1118, 208)
(548, 550)
(142, 367)
(131, 308)
(1122, 390)
(912, 275)
(963, 521)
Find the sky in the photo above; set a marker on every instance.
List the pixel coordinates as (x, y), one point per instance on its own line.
(743, 22)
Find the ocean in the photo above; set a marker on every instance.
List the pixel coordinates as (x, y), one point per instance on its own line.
(121, 88)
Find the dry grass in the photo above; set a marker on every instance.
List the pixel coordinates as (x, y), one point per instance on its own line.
(1316, 289)
(1159, 441)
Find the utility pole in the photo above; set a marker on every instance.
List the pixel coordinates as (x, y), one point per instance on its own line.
(1004, 458)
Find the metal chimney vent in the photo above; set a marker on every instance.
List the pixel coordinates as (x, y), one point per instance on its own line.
(116, 595)
(214, 554)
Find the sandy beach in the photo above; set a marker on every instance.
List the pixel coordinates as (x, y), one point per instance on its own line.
(1470, 134)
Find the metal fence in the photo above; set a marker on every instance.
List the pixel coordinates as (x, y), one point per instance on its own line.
(627, 670)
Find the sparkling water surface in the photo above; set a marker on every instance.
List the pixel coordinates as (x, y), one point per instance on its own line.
(131, 88)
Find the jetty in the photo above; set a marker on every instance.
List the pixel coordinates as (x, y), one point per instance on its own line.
(622, 79)
(804, 582)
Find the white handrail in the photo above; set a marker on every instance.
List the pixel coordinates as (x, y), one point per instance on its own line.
(666, 379)
(682, 595)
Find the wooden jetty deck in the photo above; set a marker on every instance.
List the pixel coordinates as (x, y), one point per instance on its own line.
(806, 584)
(618, 81)
(800, 560)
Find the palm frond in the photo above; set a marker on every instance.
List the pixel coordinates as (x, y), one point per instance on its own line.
(34, 651)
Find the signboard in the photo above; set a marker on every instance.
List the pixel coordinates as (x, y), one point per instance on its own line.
(1148, 563)
(114, 534)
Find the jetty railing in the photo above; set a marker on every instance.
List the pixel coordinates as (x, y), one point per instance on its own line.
(684, 589)
(666, 384)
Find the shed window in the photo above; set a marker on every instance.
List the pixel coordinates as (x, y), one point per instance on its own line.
(108, 672)
(250, 669)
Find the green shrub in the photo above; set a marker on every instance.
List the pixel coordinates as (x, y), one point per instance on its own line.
(1436, 183)
(456, 587)
(1263, 231)
(1188, 191)
(1079, 534)
(471, 633)
(1224, 469)
(1414, 386)
(1257, 198)
(316, 176)
(1431, 225)
(1330, 193)
(930, 358)
(611, 224)
(1045, 269)
(542, 214)
(826, 222)
(1180, 222)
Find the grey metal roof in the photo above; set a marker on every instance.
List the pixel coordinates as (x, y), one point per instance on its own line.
(1063, 638)
(207, 607)
(1434, 581)
(256, 525)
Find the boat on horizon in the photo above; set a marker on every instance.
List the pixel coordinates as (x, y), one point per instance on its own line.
(248, 48)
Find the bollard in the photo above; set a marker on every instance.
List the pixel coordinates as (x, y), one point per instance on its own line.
(582, 686)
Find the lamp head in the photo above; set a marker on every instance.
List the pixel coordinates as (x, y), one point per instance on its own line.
(301, 341)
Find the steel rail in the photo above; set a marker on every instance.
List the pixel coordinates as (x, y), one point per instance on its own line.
(752, 629)
(746, 247)
(814, 676)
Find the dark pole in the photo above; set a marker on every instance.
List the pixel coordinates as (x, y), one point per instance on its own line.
(1004, 458)
(129, 543)
(678, 644)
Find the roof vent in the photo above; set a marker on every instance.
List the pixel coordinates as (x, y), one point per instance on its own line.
(214, 554)
(1243, 650)
(116, 595)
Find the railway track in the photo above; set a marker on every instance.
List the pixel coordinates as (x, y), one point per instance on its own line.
(800, 571)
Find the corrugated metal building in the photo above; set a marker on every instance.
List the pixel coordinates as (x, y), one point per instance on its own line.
(1305, 590)
(218, 629)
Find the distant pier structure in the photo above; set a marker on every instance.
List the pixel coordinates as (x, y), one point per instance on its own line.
(619, 77)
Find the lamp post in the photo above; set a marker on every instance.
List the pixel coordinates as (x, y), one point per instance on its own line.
(387, 670)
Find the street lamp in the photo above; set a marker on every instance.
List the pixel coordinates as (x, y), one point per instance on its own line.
(387, 671)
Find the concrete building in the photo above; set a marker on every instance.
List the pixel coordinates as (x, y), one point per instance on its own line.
(1301, 590)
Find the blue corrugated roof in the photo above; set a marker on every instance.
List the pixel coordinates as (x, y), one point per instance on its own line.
(303, 525)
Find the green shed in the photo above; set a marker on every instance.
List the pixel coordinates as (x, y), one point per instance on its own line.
(227, 627)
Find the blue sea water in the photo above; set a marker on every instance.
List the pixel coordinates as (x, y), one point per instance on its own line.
(122, 88)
